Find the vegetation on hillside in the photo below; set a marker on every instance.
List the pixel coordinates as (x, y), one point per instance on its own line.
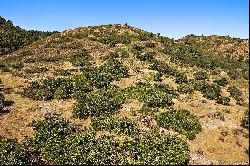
(126, 96)
(13, 37)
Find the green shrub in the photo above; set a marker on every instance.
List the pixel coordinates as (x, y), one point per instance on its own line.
(159, 150)
(162, 68)
(37, 92)
(200, 75)
(125, 54)
(236, 94)
(223, 100)
(166, 40)
(49, 138)
(146, 57)
(181, 78)
(97, 103)
(200, 84)
(60, 88)
(47, 89)
(222, 81)
(181, 121)
(211, 91)
(153, 96)
(145, 36)
(58, 142)
(185, 88)
(65, 90)
(115, 69)
(80, 86)
(82, 59)
(105, 74)
(13, 153)
(66, 87)
(97, 78)
(118, 126)
(148, 110)
(193, 55)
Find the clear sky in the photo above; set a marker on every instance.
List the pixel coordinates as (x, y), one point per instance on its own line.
(172, 18)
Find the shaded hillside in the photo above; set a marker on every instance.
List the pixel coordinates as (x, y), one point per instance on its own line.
(13, 37)
(115, 94)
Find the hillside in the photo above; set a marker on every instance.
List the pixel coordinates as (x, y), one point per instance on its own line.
(13, 37)
(115, 94)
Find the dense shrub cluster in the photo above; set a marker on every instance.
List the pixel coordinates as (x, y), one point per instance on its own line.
(223, 100)
(163, 68)
(82, 59)
(222, 81)
(97, 78)
(96, 103)
(58, 142)
(236, 94)
(60, 88)
(181, 78)
(211, 91)
(118, 126)
(199, 84)
(13, 153)
(115, 69)
(104, 75)
(185, 88)
(13, 37)
(159, 95)
(200, 75)
(160, 150)
(145, 36)
(182, 121)
(165, 40)
(49, 89)
(149, 56)
(63, 88)
(148, 110)
(192, 55)
(235, 68)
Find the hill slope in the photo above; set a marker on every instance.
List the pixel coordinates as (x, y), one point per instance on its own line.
(13, 37)
(134, 96)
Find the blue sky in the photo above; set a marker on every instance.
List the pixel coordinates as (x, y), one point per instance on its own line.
(172, 18)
